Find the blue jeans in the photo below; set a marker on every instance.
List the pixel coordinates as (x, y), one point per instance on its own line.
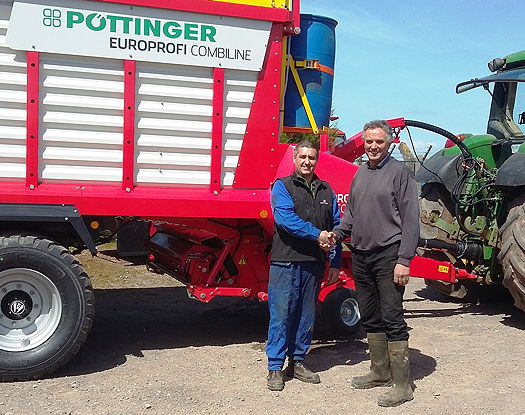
(292, 292)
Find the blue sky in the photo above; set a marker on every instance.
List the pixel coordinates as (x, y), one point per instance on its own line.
(404, 59)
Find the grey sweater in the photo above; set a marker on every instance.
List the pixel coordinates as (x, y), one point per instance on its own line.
(382, 209)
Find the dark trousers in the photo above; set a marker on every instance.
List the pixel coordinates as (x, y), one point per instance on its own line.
(292, 291)
(380, 299)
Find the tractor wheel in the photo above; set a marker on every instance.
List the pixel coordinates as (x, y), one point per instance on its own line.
(436, 198)
(340, 311)
(512, 254)
(46, 307)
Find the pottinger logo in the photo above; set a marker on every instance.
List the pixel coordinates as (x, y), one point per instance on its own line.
(17, 307)
(52, 17)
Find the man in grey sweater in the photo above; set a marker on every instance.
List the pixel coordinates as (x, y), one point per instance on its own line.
(382, 217)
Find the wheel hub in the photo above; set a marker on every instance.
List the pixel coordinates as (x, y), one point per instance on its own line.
(30, 309)
(350, 312)
(17, 305)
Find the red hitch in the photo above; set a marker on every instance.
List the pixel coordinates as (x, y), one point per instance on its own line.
(438, 270)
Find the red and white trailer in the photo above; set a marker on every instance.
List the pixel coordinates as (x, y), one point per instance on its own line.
(116, 112)
(158, 121)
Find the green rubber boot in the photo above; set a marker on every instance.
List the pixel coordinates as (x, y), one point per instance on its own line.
(379, 374)
(401, 391)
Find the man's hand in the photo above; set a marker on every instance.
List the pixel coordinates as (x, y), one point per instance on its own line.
(332, 276)
(327, 240)
(401, 274)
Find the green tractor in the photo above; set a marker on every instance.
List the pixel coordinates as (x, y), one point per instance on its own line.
(473, 191)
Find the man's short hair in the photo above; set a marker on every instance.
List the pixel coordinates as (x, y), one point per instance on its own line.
(380, 124)
(307, 144)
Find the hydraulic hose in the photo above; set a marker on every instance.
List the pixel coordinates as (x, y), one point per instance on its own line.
(440, 131)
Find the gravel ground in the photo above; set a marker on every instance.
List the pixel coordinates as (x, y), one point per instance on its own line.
(154, 351)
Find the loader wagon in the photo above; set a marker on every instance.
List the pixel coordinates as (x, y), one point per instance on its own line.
(157, 121)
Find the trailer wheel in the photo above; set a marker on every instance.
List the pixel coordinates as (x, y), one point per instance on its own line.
(512, 254)
(46, 307)
(341, 312)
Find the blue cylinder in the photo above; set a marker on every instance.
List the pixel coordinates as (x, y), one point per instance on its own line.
(316, 41)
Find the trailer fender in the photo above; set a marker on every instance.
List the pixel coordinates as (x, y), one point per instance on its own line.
(36, 213)
(512, 171)
(440, 168)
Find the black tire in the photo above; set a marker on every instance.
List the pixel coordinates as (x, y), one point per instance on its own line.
(340, 312)
(512, 254)
(435, 197)
(47, 307)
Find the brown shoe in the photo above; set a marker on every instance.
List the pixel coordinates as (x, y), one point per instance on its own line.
(274, 380)
(297, 369)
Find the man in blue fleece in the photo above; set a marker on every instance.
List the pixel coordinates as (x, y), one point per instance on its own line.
(305, 209)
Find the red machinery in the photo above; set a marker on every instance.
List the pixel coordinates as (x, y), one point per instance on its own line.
(170, 115)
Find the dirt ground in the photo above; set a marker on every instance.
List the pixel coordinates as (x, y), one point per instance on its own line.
(152, 350)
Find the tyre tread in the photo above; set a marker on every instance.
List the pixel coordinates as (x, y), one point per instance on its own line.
(512, 255)
(62, 254)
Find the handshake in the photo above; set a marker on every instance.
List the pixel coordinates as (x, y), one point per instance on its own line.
(327, 240)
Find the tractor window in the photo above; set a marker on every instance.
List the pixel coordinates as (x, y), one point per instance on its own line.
(518, 113)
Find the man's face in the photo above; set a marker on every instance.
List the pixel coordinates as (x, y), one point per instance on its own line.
(305, 161)
(376, 145)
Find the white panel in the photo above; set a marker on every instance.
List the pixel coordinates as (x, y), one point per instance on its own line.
(239, 92)
(13, 170)
(9, 78)
(228, 179)
(15, 133)
(176, 159)
(51, 81)
(171, 124)
(85, 173)
(82, 154)
(167, 141)
(12, 151)
(231, 161)
(233, 145)
(81, 136)
(184, 74)
(83, 101)
(173, 176)
(174, 110)
(10, 114)
(13, 95)
(82, 118)
(11, 59)
(239, 96)
(81, 108)
(175, 91)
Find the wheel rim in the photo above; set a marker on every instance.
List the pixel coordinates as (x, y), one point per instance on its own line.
(350, 312)
(30, 309)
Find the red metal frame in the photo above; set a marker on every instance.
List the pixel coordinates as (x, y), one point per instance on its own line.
(128, 146)
(431, 269)
(262, 130)
(323, 140)
(295, 22)
(163, 201)
(32, 121)
(146, 202)
(215, 7)
(216, 131)
(354, 147)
